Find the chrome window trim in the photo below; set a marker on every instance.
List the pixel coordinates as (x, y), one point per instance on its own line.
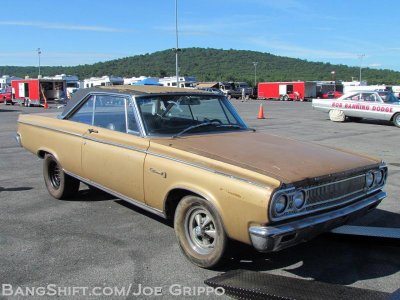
(229, 105)
(139, 120)
(93, 93)
(135, 202)
(291, 190)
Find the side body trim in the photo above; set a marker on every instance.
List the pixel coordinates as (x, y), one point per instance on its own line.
(149, 153)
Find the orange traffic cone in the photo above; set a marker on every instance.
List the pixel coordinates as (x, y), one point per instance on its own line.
(46, 106)
(261, 112)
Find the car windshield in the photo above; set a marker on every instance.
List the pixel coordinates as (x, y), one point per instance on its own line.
(176, 115)
(390, 98)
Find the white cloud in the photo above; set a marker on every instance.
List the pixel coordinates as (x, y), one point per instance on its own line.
(61, 26)
(298, 51)
(56, 58)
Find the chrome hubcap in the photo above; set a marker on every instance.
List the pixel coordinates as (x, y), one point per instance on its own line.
(54, 174)
(200, 230)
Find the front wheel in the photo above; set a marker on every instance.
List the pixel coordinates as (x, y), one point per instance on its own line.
(396, 119)
(337, 115)
(59, 184)
(200, 233)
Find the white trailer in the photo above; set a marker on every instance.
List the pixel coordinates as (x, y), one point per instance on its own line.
(103, 81)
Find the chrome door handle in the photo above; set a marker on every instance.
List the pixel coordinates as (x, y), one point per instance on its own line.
(90, 130)
(161, 173)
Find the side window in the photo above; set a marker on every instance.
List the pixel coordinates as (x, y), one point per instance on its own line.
(109, 112)
(353, 97)
(85, 113)
(369, 97)
(132, 122)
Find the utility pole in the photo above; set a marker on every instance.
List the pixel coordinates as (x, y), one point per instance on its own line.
(39, 52)
(360, 56)
(177, 44)
(255, 63)
(334, 80)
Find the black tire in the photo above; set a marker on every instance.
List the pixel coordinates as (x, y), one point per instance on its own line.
(202, 248)
(396, 120)
(354, 119)
(59, 184)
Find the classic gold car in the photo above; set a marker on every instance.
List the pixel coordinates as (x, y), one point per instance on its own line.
(186, 155)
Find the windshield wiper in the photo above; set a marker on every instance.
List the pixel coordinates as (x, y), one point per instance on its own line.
(229, 126)
(195, 126)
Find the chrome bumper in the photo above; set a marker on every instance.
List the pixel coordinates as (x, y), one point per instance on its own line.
(18, 139)
(274, 238)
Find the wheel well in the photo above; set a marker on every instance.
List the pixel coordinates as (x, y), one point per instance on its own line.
(172, 201)
(42, 153)
(395, 114)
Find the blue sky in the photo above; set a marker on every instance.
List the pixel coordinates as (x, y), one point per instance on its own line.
(86, 31)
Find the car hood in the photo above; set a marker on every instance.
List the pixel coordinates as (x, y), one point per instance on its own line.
(281, 158)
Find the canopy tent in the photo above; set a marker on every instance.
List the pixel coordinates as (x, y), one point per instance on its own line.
(148, 81)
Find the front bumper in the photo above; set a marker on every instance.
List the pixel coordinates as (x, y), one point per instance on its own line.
(274, 238)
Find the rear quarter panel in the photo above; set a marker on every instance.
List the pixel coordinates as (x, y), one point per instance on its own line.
(61, 138)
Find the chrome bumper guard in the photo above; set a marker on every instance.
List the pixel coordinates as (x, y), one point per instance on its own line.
(274, 238)
(18, 139)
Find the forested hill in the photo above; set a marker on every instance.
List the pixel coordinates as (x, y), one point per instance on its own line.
(215, 65)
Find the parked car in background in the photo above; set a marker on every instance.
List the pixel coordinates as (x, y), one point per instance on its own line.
(240, 89)
(6, 95)
(332, 94)
(357, 105)
(212, 90)
(186, 155)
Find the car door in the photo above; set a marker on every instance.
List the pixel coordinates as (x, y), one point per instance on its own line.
(113, 151)
(351, 104)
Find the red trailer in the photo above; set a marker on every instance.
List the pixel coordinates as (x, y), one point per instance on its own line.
(38, 91)
(284, 91)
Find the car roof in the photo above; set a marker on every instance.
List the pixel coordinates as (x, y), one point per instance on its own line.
(135, 90)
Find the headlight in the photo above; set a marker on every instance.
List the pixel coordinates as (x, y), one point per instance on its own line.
(280, 204)
(299, 199)
(379, 177)
(369, 179)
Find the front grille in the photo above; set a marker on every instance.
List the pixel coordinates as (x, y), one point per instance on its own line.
(334, 191)
(326, 195)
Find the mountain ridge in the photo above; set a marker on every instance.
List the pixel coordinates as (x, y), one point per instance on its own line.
(210, 64)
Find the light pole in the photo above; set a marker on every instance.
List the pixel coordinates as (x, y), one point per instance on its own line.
(334, 81)
(39, 52)
(177, 46)
(255, 63)
(360, 56)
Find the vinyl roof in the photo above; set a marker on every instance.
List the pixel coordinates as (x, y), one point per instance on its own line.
(126, 89)
(146, 89)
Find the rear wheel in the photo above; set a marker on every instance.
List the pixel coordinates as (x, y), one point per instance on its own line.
(396, 119)
(59, 184)
(200, 233)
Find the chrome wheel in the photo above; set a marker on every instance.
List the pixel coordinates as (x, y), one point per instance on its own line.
(396, 120)
(200, 230)
(54, 175)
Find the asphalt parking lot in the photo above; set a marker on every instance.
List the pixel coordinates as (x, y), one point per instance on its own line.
(96, 240)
